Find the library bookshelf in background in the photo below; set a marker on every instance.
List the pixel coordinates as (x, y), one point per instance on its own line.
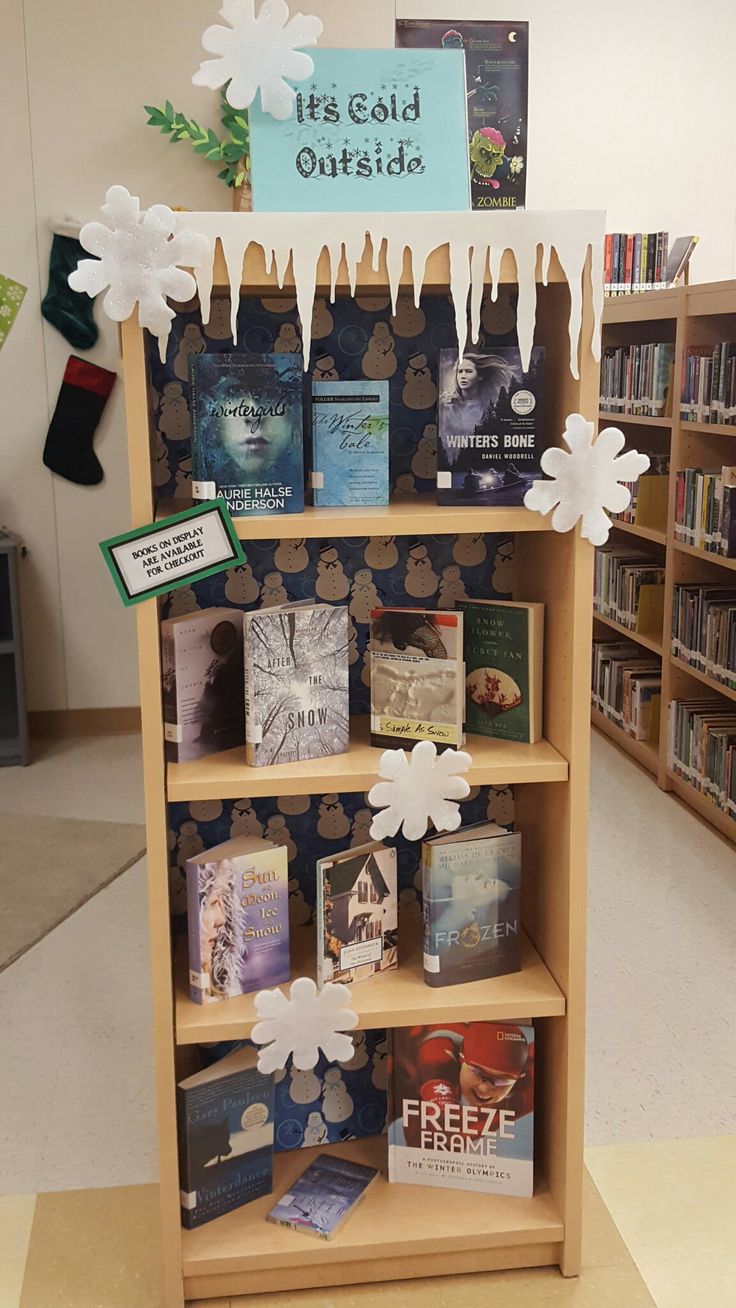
(400, 1232)
(686, 317)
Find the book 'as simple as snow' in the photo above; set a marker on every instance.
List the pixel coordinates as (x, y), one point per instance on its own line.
(416, 677)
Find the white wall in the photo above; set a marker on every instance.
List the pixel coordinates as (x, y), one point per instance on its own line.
(649, 138)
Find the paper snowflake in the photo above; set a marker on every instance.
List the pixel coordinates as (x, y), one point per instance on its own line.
(139, 259)
(587, 480)
(300, 1026)
(259, 53)
(418, 788)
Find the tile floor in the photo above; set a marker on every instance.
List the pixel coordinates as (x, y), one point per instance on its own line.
(76, 1111)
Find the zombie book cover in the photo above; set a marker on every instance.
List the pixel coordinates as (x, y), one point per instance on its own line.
(202, 670)
(225, 1116)
(357, 914)
(461, 1107)
(416, 660)
(491, 426)
(497, 77)
(296, 683)
(322, 1198)
(503, 668)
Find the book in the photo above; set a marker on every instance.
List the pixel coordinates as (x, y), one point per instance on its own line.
(416, 677)
(372, 130)
(503, 648)
(461, 1107)
(357, 914)
(225, 1116)
(490, 426)
(323, 1197)
(678, 259)
(296, 683)
(471, 896)
(202, 672)
(497, 75)
(349, 443)
(238, 918)
(247, 436)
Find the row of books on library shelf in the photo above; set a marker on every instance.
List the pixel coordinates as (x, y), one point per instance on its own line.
(627, 688)
(276, 679)
(628, 586)
(637, 379)
(458, 1113)
(649, 494)
(264, 446)
(705, 509)
(709, 384)
(643, 261)
(701, 745)
(704, 629)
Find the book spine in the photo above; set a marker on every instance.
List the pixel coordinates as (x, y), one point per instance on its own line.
(320, 914)
(616, 286)
(197, 983)
(645, 241)
(607, 263)
(252, 730)
(636, 283)
(430, 960)
(172, 728)
(628, 263)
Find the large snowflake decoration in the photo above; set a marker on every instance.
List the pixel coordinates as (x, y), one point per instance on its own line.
(300, 1026)
(139, 259)
(259, 53)
(418, 788)
(587, 480)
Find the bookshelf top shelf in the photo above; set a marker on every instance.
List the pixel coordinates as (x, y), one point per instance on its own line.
(635, 419)
(651, 306)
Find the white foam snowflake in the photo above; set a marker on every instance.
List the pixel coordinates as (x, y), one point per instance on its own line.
(309, 1020)
(418, 788)
(139, 258)
(259, 53)
(587, 480)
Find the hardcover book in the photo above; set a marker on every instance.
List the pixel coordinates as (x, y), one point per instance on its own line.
(225, 1136)
(497, 75)
(296, 683)
(322, 1197)
(490, 424)
(357, 914)
(461, 1107)
(372, 130)
(471, 893)
(349, 443)
(202, 663)
(504, 652)
(238, 918)
(247, 436)
(416, 677)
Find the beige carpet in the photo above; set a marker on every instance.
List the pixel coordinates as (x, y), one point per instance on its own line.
(49, 867)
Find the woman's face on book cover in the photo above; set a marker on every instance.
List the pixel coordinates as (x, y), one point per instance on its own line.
(467, 376)
(255, 430)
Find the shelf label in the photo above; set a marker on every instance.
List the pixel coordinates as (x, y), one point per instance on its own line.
(163, 556)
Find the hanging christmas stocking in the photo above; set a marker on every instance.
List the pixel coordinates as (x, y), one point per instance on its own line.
(71, 312)
(83, 395)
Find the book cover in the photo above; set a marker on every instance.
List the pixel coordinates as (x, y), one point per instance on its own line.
(296, 683)
(350, 447)
(357, 914)
(238, 918)
(497, 75)
(504, 655)
(322, 1198)
(416, 677)
(461, 1107)
(491, 427)
(225, 1135)
(380, 131)
(247, 434)
(202, 669)
(471, 895)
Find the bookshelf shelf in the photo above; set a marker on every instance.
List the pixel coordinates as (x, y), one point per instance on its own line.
(227, 775)
(711, 682)
(650, 306)
(703, 806)
(633, 419)
(681, 547)
(651, 642)
(644, 533)
(708, 428)
(644, 751)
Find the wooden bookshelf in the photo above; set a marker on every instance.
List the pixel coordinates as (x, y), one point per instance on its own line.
(685, 315)
(400, 1231)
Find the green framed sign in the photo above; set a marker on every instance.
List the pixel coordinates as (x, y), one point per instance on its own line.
(186, 547)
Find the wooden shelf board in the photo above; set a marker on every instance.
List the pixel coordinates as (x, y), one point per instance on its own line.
(228, 776)
(646, 306)
(393, 1221)
(704, 299)
(702, 805)
(711, 682)
(645, 533)
(638, 637)
(644, 751)
(696, 553)
(398, 998)
(406, 515)
(637, 419)
(708, 428)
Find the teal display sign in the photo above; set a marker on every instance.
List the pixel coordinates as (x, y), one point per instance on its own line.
(381, 131)
(186, 547)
